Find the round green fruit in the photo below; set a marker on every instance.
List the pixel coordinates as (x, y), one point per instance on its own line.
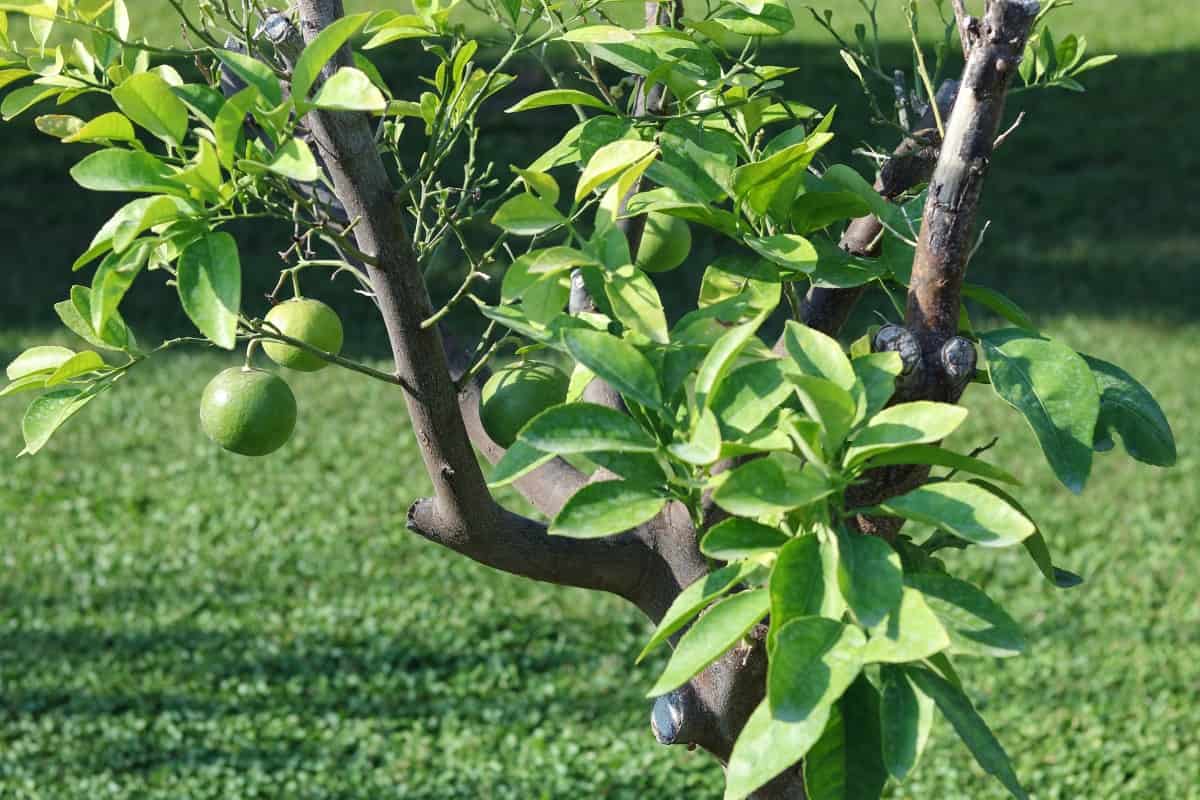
(248, 411)
(517, 394)
(310, 321)
(665, 243)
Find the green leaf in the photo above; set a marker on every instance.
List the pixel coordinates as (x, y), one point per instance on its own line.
(965, 510)
(772, 484)
(803, 582)
(584, 428)
(541, 183)
(558, 97)
(696, 596)
(636, 303)
(813, 661)
(938, 457)
(813, 211)
(350, 89)
(1129, 409)
(789, 251)
(617, 362)
(906, 718)
(846, 763)
(1000, 305)
(76, 315)
(828, 404)
(976, 624)
(112, 280)
(971, 728)
(110, 127)
(527, 215)
(532, 267)
(43, 358)
(711, 636)
(918, 422)
(254, 73)
(42, 9)
(606, 507)
(21, 100)
(147, 99)
(116, 170)
(911, 632)
(319, 51)
(819, 356)
(1036, 545)
(877, 372)
(703, 447)
(773, 183)
(737, 538)
(752, 280)
(518, 461)
(229, 124)
(767, 746)
(749, 394)
(721, 359)
(60, 126)
(76, 365)
(1054, 389)
(599, 34)
(869, 576)
(47, 413)
(27, 384)
(210, 287)
(609, 162)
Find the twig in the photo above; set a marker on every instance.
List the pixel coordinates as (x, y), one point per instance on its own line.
(1000, 139)
(966, 26)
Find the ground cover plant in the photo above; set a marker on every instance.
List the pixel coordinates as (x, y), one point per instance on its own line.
(807, 351)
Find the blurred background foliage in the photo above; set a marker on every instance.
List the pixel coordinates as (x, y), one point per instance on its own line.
(181, 622)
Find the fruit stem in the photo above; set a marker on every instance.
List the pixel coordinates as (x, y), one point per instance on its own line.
(250, 348)
(296, 282)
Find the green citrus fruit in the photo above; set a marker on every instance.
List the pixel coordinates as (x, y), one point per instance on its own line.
(517, 394)
(665, 243)
(310, 321)
(248, 411)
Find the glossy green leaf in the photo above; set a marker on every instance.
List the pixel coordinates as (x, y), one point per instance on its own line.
(703, 446)
(869, 576)
(773, 183)
(350, 89)
(254, 73)
(813, 661)
(60, 126)
(963, 509)
(772, 484)
(737, 538)
(599, 34)
(846, 763)
(606, 507)
(318, 52)
(518, 461)
(999, 305)
(558, 97)
(828, 404)
(1128, 408)
(971, 728)
(76, 315)
(147, 99)
(112, 280)
(976, 624)
(696, 596)
(42, 358)
(906, 718)
(617, 362)
(715, 632)
(912, 423)
(113, 126)
(909, 633)
(526, 215)
(752, 280)
(792, 252)
(721, 359)
(229, 123)
(636, 303)
(295, 160)
(46, 414)
(75, 366)
(116, 170)
(531, 267)
(767, 746)
(1056, 392)
(749, 394)
(18, 101)
(210, 287)
(583, 428)
(803, 582)
(610, 161)
(877, 372)
(935, 456)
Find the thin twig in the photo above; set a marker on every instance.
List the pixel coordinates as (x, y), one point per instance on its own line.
(1000, 139)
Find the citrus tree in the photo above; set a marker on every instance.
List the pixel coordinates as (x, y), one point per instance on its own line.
(747, 494)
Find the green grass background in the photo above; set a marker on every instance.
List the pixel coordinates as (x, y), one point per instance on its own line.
(178, 622)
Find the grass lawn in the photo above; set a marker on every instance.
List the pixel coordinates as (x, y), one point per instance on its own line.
(183, 623)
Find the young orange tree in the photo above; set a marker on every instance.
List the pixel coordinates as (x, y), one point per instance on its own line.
(747, 495)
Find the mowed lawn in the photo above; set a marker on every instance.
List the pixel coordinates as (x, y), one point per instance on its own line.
(178, 622)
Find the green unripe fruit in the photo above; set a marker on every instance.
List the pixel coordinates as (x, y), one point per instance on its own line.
(666, 242)
(248, 411)
(309, 321)
(517, 394)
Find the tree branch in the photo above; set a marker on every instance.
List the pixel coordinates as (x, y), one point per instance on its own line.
(951, 207)
(968, 27)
